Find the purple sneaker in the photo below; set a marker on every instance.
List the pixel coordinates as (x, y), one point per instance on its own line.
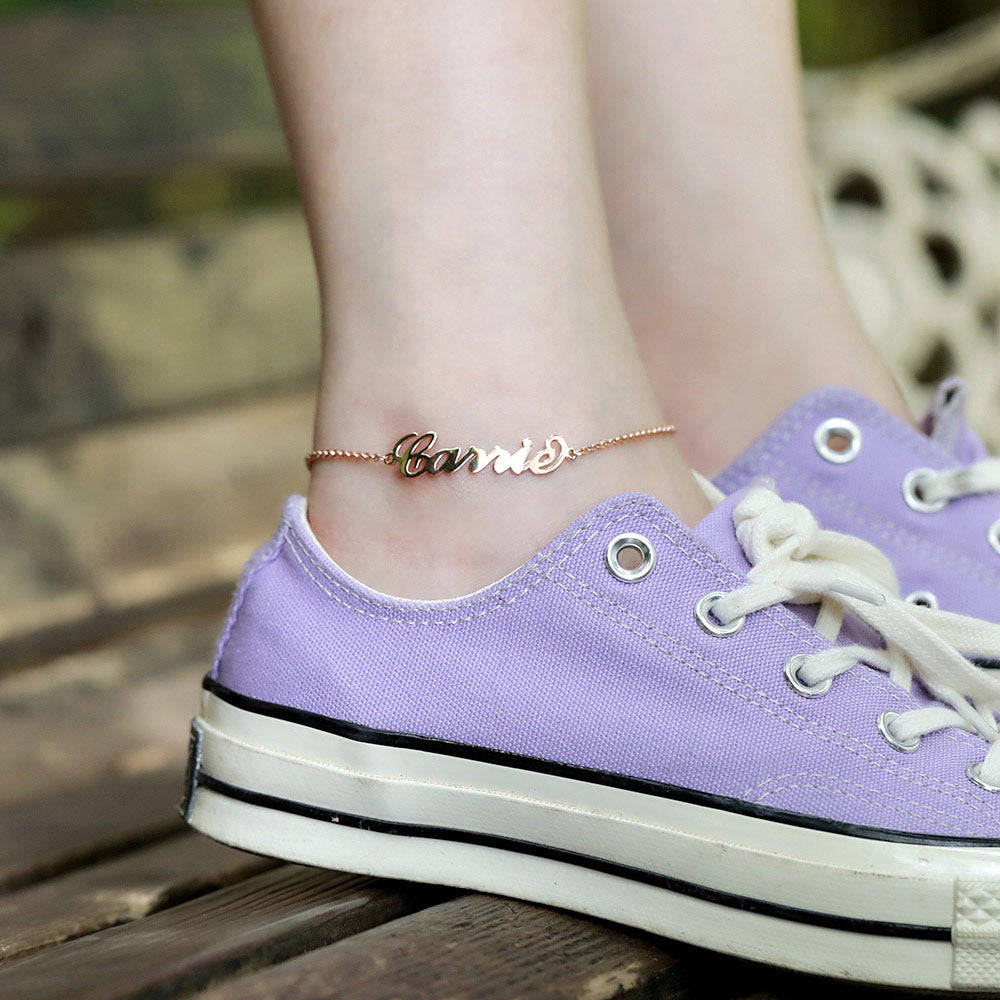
(635, 726)
(929, 500)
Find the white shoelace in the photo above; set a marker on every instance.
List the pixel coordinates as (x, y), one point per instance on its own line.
(966, 480)
(795, 561)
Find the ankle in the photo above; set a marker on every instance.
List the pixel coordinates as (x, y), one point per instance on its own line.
(451, 534)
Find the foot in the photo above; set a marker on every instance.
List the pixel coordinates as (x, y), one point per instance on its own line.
(630, 725)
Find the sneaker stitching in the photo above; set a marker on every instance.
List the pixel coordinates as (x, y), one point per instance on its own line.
(396, 619)
(881, 685)
(781, 712)
(787, 622)
(925, 813)
(520, 577)
(889, 529)
(267, 554)
(762, 456)
(797, 631)
(799, 416)
(298, 550)
(752, 794)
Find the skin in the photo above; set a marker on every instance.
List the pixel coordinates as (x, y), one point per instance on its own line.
(719, 251)
(446, 158)
(446, 162)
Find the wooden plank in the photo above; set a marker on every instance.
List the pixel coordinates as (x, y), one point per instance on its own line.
(131, 93)
(123, 326)
(115, 891)
(112, 528)
(474, 948)
(42, 837)
(118, 710)
(254, 923)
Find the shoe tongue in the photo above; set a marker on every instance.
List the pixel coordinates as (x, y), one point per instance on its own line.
(716, 529)
(944, 422)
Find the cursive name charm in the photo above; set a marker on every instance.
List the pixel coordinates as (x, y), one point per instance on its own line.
(415, 455)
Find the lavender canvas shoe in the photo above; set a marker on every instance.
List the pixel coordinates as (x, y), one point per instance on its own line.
(930, 499)
(635, 726)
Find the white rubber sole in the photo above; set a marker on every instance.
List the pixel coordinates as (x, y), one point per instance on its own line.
(872, 910)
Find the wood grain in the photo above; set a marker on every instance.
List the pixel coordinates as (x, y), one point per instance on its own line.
(118, 890)
(43, 837)
(474, 948)
(114, 711)
(254, 923)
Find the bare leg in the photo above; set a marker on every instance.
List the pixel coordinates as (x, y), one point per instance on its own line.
(718, 247)
(444, 155)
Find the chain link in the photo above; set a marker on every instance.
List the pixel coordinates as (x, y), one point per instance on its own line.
(325, 454)
(575, 453)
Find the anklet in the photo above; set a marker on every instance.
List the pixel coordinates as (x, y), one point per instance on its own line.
(415, 455)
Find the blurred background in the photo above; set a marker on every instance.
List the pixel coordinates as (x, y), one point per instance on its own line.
(158, 322)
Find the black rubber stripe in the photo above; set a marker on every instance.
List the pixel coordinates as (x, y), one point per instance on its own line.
(859, 926)
(646, 786)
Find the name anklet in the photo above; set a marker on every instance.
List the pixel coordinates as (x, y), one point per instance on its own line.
(415, 455)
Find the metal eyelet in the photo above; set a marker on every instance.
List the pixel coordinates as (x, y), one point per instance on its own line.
(838, 427)
(638, 543)
(884, 721)
(923, 598)
(973, 772)
(708, 621)
(993, 535)
(911, 492)
(792, 668)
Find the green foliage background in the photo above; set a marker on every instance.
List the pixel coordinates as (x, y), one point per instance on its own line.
(835, 32)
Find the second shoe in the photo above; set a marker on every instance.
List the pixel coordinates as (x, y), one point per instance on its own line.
(929, 498)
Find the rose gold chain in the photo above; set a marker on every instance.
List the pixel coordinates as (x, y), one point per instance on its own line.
(325, 454)
(417, 458)
(621, 439)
